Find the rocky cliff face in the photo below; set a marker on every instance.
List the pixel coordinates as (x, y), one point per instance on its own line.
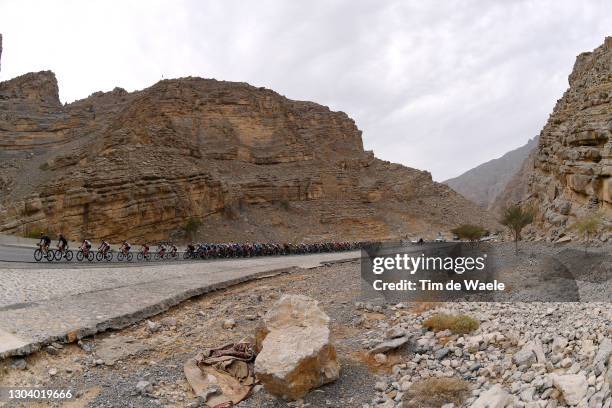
(247, 162)
(484, 183)
(572, 167)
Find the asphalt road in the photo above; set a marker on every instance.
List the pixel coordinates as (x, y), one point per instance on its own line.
(23, 257)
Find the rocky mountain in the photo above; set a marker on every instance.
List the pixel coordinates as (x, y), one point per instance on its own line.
(484, 183)
(570, 172)
(245, 161)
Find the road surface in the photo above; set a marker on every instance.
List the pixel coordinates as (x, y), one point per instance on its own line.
(41, 303)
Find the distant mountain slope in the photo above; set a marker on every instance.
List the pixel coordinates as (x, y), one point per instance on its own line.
(484, 183)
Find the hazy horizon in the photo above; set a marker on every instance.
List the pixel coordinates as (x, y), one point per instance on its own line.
(441, 89)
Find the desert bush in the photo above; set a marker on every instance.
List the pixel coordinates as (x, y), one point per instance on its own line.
(435, 392)
(458, 324)
(516, 218)
(469, 232)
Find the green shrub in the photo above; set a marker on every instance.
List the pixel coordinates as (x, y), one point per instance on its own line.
(469, 232)
(458, 324)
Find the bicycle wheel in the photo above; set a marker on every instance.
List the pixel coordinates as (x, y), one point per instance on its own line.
(129, 257)
(109, 256)
(38, 255)
(90, 256)
(120, 256)
(68, 255)
(140, 256)
(99, 256)
(80, 255)
(57, 255)
(50, 255)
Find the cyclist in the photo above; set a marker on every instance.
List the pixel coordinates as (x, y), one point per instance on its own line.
(173, 250)
(145, 249)
(125, 247)
(86, 246)
(191, 249)
(44, 242)
(62, 243)
(104, 247)
(161, 249)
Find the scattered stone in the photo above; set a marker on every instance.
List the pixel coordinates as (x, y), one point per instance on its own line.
(296, 354)
(152, 326)
(52, 372)
(494, 397)
(19, 364)
(228, 324)
(390, 345)
(380, 358)
(144, 387)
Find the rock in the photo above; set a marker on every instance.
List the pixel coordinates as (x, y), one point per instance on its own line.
(19, 364)
(152, 326)
(144, 387)
(559, 344)
(525, 356)
(297, 353)
(380, 358)
(573, 387)
(228, 323)
(204, 132)
(168, 321)
(494, 397)
(52, 372)
(568, 174)
(52, 350)
(443, 352)
(395, 332)
(390, 345)
(604, 352)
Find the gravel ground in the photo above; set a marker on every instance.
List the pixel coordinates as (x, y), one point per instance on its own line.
(106, 369)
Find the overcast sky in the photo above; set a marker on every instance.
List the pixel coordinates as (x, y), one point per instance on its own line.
(437, 85)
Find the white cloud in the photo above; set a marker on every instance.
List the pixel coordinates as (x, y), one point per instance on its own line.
(441, 86)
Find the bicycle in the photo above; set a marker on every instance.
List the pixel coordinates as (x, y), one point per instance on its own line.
(58, 254)
(39, 254)
(142, 256)
(107, 256)
(122, 255)
(81, 255)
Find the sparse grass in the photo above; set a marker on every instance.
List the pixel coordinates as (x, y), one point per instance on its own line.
(458, 324)
(435, 392)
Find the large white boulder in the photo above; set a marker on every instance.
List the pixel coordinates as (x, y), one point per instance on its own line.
(296, 351)
(572, 386)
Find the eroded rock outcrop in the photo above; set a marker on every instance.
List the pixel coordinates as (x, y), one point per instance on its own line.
(297, 353)
(246, 161)
(572, 170)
